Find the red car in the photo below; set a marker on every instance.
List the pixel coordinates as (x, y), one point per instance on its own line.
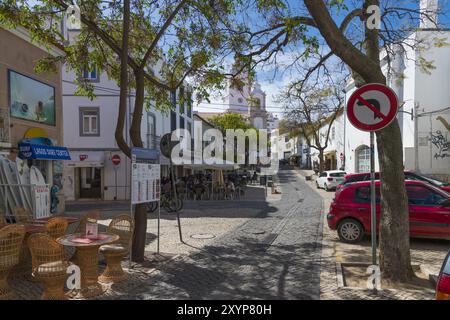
(365, 176)
(443, 283)
(429, 209)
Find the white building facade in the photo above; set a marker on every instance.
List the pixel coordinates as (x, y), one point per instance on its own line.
(98, 169)
(424, 113)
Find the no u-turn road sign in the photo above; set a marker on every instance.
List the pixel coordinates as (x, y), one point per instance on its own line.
(372, 107)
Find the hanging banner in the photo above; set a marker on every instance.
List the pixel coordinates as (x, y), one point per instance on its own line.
(145, 176)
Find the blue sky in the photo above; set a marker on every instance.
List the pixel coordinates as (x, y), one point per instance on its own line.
(273, 78)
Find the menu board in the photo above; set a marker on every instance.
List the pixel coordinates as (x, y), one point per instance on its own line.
(146, 182)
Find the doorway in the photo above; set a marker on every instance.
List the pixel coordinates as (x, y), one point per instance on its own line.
(90, 183)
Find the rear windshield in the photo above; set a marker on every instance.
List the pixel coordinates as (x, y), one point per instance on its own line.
(355, 178)
(362, 177)
(337, 174)
(431, 180)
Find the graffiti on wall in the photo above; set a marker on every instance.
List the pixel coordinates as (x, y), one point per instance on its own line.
(440, 141)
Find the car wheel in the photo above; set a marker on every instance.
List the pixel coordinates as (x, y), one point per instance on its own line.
(317, 185)
(326, 188)
(350, 231)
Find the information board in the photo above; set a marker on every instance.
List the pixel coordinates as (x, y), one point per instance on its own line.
(145, 178)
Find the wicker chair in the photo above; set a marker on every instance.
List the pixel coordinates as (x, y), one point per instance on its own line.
(22, 215)
(2, 218)
(56, 227)
(93, 214)
(11, 239)
(49, 265)
(123, 226)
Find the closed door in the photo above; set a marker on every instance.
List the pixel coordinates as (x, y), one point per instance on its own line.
(90, 183)
(427, 216)
(362, 207)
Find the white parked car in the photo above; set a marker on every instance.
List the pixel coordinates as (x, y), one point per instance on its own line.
(329, 180)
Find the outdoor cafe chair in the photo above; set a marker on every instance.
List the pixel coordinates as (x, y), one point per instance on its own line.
(2, 218)
(21, 215)
(94, 214)
(56, 227)
(198, 191)
(49, 265)
(123, 226)
(181, 191)
(11, 240)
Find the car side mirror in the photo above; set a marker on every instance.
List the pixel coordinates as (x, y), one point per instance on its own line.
(446, 203)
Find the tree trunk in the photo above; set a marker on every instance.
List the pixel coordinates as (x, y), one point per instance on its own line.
(140, 210)
(140, 213)
(395, 260)
(140, 233)
(321, 162)
(395, 257)
(122, 144)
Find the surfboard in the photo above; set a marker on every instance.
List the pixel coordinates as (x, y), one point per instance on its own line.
(36, 176)
(10, 173)
(41, 202)
(3, 192)
(23, 174)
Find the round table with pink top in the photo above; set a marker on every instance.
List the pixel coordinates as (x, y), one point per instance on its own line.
(87, 259)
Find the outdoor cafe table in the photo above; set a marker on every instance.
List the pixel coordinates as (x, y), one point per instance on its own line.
(87, 254)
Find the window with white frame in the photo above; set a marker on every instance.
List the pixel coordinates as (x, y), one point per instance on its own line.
(363, 159)
(89, 121)
(90, 74)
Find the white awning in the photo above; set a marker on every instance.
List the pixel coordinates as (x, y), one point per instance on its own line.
(86, 159)
(218, 164)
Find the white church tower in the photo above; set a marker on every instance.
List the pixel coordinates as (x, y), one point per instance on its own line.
(249, 101)
(257, 108)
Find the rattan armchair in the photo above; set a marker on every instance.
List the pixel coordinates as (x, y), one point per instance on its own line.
(123, 226)
(49, 265)
(56, 227)
(22, 215)
(93, 214)
(11, 239)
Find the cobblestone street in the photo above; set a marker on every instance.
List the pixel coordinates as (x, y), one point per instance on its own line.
(264, 248)
(274, 255)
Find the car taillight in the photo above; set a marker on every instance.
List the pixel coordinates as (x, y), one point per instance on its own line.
(330, 179)
(443, 287)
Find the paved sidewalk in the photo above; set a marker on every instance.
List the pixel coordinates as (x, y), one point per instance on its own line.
(427, 253)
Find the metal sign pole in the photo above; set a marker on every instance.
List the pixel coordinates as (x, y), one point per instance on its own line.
(159, 223)
(174, 189)
(373, 200)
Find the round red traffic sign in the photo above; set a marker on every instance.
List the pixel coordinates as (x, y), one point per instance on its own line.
(115, 159)
(372, 107)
